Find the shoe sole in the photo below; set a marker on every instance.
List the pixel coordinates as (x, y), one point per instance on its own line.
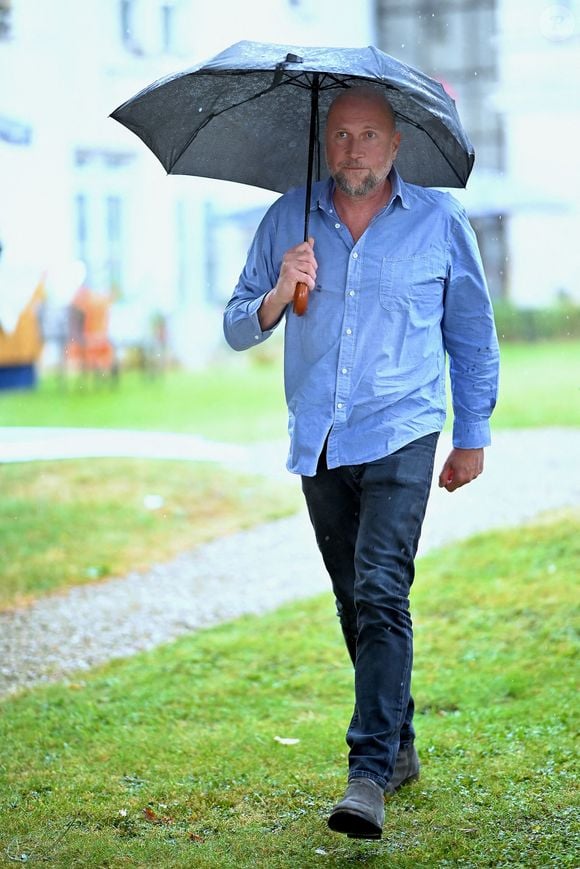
(354, 825)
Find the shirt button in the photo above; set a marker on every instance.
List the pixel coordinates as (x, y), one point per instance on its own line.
(355, 255)
(337, 225)
(345, 370)
(351, 293)
(349, 331)
(256, 337)
(340, 405)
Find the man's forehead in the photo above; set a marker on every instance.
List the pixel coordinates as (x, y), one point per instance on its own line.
(359, 104)
(358, 110)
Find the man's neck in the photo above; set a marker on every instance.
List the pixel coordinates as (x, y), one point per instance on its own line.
(358, 211)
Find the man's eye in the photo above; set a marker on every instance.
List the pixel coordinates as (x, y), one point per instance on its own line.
(371, 134)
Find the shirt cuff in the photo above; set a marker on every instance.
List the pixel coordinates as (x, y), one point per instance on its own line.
(253, 309)
(471, 435)
(252, 328)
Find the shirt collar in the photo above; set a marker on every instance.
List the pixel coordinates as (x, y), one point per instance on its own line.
(398, 190)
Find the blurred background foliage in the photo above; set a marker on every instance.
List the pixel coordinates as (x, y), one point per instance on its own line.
(554, 322)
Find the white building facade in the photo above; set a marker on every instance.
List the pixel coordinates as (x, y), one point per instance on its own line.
(514, 70)
(80, 194)
(539, 95)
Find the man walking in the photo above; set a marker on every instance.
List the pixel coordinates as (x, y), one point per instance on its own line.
(395, 283)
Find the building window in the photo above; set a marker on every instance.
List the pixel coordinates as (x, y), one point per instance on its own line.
(491, 237)
(149, 27)
(126, 20)
(99, 237)
(82, 233)
(5, 18)
(167, 27)
(128, 23)
(232, 232)
(433, 22)
(183, 253)
(453, 41)
(114, 218)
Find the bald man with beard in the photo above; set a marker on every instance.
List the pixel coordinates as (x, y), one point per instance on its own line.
(396, 286)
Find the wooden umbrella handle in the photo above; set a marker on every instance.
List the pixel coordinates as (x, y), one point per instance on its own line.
(300, 299)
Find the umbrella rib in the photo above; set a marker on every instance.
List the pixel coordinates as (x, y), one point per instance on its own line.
(428, 134)
(328, 82)
(210, 117)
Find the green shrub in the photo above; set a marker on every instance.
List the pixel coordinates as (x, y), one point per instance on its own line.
(561, 321)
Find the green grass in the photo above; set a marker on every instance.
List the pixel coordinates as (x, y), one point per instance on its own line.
(169, 759)
(46, 509)
(240, 402)
(539, 385)
(244, 401)
(73, 522)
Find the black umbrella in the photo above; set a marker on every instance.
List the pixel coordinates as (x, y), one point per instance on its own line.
(254, 114)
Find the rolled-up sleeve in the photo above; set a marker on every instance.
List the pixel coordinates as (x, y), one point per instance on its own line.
(470, 339)
(241, 322)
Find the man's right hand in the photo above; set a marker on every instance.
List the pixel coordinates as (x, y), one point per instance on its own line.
(298, 266)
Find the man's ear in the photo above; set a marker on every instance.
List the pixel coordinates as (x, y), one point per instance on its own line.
(396, 143)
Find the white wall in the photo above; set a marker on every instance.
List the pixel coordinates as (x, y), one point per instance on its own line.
(540, 96)
(63, 71)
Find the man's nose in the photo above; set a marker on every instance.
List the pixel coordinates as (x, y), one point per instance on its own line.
(355, 148)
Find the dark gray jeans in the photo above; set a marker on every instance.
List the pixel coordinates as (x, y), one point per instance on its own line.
(367, 520)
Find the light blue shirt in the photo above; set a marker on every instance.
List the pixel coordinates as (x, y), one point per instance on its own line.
(365, 365)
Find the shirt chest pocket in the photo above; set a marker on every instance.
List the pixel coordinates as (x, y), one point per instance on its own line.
(416, 281)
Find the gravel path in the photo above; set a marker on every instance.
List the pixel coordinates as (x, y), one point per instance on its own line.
(527, 472)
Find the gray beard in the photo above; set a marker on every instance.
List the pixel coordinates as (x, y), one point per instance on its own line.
(371, 182)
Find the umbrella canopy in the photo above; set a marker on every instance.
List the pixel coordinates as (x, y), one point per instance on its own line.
(249, 114)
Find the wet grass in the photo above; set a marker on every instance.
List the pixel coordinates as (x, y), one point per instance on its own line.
(73, 522)
(539, 385)
(239, 402)
(243, 401)
(170, 759)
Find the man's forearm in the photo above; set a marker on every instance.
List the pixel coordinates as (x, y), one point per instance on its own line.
(270, 311)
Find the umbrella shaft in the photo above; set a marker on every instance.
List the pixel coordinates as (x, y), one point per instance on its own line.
(312, 142)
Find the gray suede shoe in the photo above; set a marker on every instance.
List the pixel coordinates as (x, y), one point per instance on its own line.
(361, 812)
(406, 769)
